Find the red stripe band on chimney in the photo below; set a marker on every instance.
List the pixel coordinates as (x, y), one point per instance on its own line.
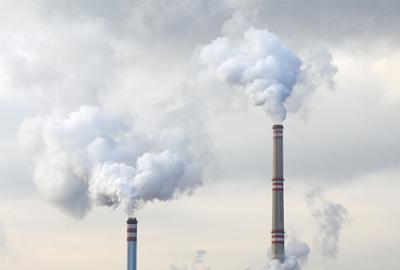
(277, 189)
(277, 231)
(132, 230)
(277, 183)
(278, 242)
(278, 179)
(131, 239)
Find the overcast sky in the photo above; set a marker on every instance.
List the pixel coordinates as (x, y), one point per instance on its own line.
(139, 60)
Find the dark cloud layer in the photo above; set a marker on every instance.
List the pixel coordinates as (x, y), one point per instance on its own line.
(154, 24)
(195, 21)
(333, 22)
(71, 53)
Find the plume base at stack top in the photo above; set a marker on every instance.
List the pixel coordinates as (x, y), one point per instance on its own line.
(131, 221)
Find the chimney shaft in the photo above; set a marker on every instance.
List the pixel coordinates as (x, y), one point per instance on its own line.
(278, 228)
(132, 238)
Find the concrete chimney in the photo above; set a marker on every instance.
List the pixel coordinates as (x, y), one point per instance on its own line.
(132, 239)
(278, 228)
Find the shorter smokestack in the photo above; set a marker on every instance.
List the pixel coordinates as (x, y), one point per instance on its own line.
(132, 239)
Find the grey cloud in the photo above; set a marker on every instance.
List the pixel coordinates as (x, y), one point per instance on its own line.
(111, 38)
(69, 59)
(163, 25)
(147, 21)
(71, 53)
(74, 52)
(65, 63)
(307, 22)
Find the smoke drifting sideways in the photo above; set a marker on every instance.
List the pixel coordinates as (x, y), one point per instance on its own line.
(296, 255)
(268, 72)
(330, 218)
(91, 157)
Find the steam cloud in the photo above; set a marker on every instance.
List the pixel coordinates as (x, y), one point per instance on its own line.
(197, 263)
(266, 69)
(330, 217)
(91, 157)
(296, 255)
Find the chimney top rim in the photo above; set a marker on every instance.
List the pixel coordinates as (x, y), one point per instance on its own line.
(131, 221)
(277, 127)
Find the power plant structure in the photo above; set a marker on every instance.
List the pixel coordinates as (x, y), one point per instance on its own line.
(132, 240)
(278, 226)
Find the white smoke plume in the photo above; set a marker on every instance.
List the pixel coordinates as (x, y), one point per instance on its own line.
(197, 264)
(330, 218)
(267, 71)
(91, 157)
(318, 71)
(296, 255)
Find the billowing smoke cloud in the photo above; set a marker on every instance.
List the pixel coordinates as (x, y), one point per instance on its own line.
(329, 217)
(318, 70)
(91, 157)
(261, 65)
(295, 257)
(197, 264)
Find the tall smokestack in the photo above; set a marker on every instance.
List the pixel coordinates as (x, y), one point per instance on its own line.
(278, 229)
(132, 238)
